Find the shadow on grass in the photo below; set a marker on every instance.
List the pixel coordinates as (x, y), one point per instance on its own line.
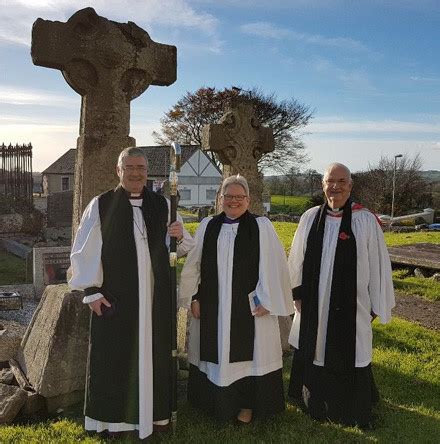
(410, 408)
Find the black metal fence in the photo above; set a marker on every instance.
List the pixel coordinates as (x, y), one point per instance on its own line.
(16, 182)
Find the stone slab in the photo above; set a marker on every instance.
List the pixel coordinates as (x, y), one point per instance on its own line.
(417, 255)
(50, 266)
(35, 404)
(16, 248)
(11, 334)
(12, 399)
(53, 353)
(6, 376)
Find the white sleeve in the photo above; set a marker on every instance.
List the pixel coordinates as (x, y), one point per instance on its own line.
(380, 285)
(187, 242)
(190, 276)
(299, 246)
(85, 257)
(273, 287)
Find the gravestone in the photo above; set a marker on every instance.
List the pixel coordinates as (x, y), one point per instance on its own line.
(108, 64)
(239, 140)
(59, 217)
(50, 267)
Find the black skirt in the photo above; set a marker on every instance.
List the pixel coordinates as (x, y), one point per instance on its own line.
(263, 394)
(346, 398)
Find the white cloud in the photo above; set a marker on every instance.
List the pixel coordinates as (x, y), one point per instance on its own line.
(427, 146)
(425, 79)
(18, 15)
(20, 96)
(359, 153)
(50, 140)
(268, 30)
(341, 126)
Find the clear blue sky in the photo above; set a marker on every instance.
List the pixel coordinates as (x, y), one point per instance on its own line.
(370, 70)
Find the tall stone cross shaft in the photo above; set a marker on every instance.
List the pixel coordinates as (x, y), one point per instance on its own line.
(239, 141)
(108, 64)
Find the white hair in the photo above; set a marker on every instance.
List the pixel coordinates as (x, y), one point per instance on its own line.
(131, 151)
(235, 180)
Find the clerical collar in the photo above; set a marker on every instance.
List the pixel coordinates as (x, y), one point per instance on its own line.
(134, 195)
(228, 220)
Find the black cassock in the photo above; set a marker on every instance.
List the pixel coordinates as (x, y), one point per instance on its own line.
(112, 385)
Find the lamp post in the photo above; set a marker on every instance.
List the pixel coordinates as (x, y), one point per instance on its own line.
(394, 186)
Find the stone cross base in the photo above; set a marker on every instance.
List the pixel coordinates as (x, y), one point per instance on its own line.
(53, 353)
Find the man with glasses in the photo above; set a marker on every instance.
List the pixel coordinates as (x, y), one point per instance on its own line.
(236, 282)
(341, 279)
(120, 260)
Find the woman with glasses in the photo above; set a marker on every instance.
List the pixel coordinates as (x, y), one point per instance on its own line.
(236, 282)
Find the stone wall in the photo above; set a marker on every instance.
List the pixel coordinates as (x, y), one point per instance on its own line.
(59, 209)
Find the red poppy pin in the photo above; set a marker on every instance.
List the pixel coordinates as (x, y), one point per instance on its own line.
(343, 235)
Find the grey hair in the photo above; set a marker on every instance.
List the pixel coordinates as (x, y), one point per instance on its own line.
(131, 151)
(337, 165)
(235, 180)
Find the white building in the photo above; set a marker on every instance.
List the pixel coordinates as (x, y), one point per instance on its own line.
(199, 177)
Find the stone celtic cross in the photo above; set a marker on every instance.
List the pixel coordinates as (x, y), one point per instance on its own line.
(108, 64)
(239, 141)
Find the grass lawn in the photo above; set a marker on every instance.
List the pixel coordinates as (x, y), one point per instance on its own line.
(427, 288)
(289, 204)
(407, 372)
(12, 269)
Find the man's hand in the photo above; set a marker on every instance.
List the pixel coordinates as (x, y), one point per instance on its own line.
(176, 230)
(195, 309)
(260, 311)
(96, 305)
(297, 305)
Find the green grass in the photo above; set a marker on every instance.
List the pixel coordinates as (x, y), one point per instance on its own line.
(393, 239)
(410, 285)
(406, 364)
(289, 204)
(12, 269)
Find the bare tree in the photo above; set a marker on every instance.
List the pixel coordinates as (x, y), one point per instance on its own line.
(185, 120)
(373, 187)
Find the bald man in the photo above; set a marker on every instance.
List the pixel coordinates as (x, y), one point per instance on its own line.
(341, 279)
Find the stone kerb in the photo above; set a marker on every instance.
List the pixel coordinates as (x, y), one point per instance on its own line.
(50, 267)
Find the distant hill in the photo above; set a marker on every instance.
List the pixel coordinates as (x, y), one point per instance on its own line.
(431, 175)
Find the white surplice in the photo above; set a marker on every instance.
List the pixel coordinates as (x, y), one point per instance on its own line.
(87, 272)
(273, 290)
(375, 291)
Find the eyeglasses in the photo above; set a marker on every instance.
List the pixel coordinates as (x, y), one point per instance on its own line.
(340, 182)
(230, 197)
(132, 168)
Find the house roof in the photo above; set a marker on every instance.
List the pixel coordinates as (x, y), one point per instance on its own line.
(158, 160)
(64, 164)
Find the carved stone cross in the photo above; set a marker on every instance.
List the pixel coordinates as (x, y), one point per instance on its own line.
(239, 141)
(108, 64)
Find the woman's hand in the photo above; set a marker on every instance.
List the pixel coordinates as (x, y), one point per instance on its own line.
(195, 309)
(260, 311)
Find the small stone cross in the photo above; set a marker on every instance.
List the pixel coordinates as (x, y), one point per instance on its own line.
(239, 141)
